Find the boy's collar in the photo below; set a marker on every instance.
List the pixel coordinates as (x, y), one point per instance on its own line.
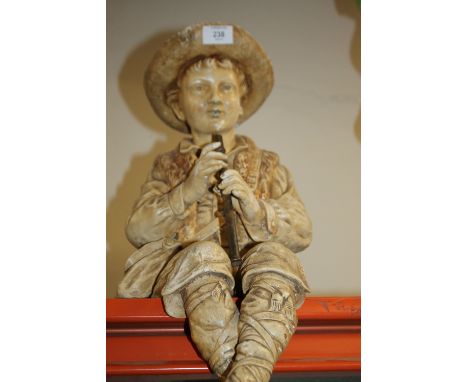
(187, 145)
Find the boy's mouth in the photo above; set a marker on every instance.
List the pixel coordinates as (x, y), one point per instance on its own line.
(215, 113)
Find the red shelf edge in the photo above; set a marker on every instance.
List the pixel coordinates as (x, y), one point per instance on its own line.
(327, 339)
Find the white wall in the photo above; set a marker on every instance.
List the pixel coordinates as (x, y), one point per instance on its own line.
(312, 117)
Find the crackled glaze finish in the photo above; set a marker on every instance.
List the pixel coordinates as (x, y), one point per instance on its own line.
(178, 226)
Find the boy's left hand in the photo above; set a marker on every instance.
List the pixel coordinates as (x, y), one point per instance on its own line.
(244, 202)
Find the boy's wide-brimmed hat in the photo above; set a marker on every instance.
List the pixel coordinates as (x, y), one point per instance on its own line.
(188, 46)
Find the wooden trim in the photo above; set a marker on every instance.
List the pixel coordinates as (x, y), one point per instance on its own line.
(143, 340)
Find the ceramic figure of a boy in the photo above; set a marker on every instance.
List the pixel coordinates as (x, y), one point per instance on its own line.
(177, 223)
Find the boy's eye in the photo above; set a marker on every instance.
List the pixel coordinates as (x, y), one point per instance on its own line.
(227, 87)
(199, 87)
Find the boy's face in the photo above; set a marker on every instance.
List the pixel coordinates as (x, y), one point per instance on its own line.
(209, 100)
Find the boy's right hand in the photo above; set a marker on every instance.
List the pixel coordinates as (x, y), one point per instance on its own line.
(202, 175)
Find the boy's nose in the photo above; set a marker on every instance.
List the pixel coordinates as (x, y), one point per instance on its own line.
(215, 101)
(215, 98)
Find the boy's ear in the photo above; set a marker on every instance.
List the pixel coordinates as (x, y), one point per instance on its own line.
(177, 111)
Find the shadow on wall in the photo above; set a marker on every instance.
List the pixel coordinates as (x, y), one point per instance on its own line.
(132, 91)
(349, 8)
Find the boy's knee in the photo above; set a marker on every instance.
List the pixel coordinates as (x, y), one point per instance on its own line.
(205, 251)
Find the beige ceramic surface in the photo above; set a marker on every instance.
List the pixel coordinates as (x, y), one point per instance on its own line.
(311, 118)
(181, 225)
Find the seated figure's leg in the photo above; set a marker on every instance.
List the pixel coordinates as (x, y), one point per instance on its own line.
(198, 283)
(213, 319)
(139, 278)
(275, 286)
